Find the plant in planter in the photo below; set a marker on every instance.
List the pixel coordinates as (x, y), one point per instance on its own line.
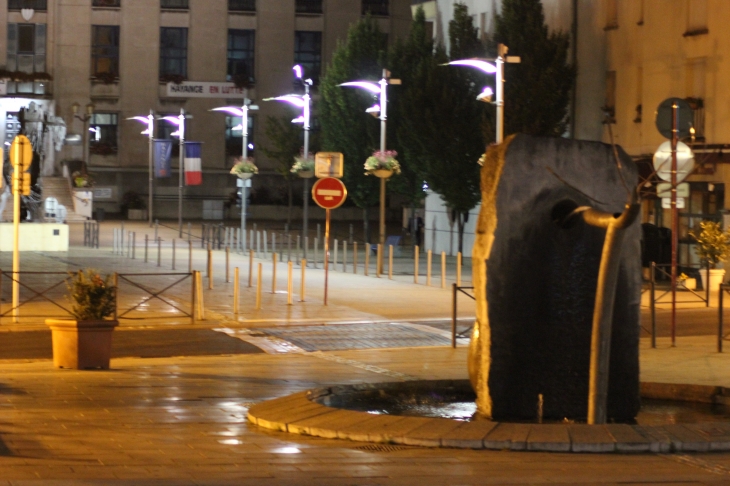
(712, 247)
(85, 342)
(82, 179)
(133, 205)
(382, 161)
(303, 166)
(244, 168)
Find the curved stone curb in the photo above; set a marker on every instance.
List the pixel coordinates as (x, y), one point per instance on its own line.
(298, 414)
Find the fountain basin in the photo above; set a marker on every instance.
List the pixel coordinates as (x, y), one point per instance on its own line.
(317, 413)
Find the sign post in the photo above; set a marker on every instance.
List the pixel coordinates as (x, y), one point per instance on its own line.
(21, 155)
(674, 121)
(329, 193)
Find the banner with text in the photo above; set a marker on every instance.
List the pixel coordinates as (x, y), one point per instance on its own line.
(194, 89)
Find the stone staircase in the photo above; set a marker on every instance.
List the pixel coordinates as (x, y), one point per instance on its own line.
(57, 187)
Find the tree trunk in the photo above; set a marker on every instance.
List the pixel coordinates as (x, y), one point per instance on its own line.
(290, 188)
(366, 225)
(460, 220)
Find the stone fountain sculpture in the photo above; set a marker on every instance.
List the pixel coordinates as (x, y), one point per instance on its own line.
(557, 278)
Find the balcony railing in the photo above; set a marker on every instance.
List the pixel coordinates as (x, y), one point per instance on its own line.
(375, 7)
(309, 6)
(106, 3)
(174, 4)
(241, 5)
(40, 5)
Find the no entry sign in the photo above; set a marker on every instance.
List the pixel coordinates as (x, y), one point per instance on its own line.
(329, 193)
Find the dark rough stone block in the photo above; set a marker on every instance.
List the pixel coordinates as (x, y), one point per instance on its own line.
(542, 282)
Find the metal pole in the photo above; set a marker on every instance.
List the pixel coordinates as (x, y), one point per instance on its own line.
(719, 321)
(302, 283)
(454, 289)
(173, 253)
(354, 257)
(415, 266)
(228, 263)
(305, 193)
(675, 225)
(390, 262)
(250, 268)
(383, 131)
(652, 304)
(181, 131)
(151, 141)
(326, 252)
(500, 95)
(258, 287)
(235, 291)
(289, 282)
(190, 256)
(273, 273)
(159, 251)
(443, 269)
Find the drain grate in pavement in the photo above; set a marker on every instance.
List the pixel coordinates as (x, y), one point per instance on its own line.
(381, 448)
(356, 336)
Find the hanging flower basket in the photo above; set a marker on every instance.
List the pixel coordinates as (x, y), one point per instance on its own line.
(244, 169)
(303, 166)
(382, 164)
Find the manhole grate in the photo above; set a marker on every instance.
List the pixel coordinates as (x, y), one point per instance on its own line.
(381, 448)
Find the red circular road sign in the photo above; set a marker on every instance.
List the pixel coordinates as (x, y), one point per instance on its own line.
(329, 193)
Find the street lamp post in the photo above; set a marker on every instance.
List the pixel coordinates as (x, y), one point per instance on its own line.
(380, 90)
(150, 132)
(180, 122)
(243, 113)
(304, 102)
(498, 70)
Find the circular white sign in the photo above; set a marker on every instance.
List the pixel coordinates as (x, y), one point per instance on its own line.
(663, 161)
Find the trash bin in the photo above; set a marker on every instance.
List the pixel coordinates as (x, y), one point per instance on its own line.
(99, 214)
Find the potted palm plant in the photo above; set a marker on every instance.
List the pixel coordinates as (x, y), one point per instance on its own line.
(712, 246)
(85, 342)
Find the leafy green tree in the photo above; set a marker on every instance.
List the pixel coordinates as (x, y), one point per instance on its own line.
(442, 130)
(286, 143)
(345, 126)
(408, 58)
(537, 90)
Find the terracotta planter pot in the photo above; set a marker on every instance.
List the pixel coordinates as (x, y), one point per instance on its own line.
(81, 344)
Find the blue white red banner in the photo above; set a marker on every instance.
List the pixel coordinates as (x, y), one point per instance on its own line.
(193, 164)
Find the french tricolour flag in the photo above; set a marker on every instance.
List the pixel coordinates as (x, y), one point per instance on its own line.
(193, 171)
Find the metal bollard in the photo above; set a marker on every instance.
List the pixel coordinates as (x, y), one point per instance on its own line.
(134, 245)
(390, 262)
(458, 269)
(146, 245)
(210, 268)
(258, 287)
(157, 224)
(443, 269)
(336, 246)
(306, 245)
(273, 273)
(415, 265)
(273, 242)
(352, 233)
(266, 244)
(228, 262)
(174, 248)
(159, 251)
(344, 256)
(354, 258)
(316, 244)
(302, 284)
(429, 256)
(235, 291)
(190, 256)
(289, 282)
(258, 244)
(288, 245)
(367, 259)
(250, 268)
(298, 245)
(378, 261)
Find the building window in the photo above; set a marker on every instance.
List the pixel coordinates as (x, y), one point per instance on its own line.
(241, 49)
(103, 133)
(40, 5)
(696, 17)
(309, 6)
(308, 52)
(234, 136)
(173, 52)
(105, 51)
(375, 7)
(106, 3)
(611, 14)
(27, 54)
(176, 4)
(242, 5)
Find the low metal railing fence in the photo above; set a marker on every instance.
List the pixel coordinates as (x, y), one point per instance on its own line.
(455, 291)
